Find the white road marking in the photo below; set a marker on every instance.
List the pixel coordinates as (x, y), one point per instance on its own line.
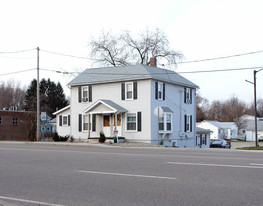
(256, 164)
(127, 175)
(214, 165)
(29, 201)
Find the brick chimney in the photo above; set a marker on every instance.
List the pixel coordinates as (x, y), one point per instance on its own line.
(153, 61)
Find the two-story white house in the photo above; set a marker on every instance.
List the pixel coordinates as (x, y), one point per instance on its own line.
(139, 103)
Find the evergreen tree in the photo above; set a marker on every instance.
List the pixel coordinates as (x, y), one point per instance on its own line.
(52, 96)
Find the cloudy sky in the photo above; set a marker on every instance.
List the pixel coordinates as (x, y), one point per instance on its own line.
(200, 29)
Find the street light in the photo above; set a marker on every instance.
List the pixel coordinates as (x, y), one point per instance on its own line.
(255, 104)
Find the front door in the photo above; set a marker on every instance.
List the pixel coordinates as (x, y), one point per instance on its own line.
(118, 124)
(106, 125)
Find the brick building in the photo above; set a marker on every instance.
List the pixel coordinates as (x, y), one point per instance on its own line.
(17, 125)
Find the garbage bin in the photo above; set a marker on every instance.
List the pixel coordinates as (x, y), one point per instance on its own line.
(115, 140)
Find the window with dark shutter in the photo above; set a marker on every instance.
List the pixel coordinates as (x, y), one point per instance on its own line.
(185, 123)
(156, 90)
(134, 90)
(90, 93)
(184, 95)
(139, 123)
(191, 125)
(122, 91)
(68, 120)
(163, 91)
(60, 120)
(80, 122)
(191, 99)
(93, 122)
(79, 89)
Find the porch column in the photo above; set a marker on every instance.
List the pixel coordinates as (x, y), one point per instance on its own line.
(88, 125)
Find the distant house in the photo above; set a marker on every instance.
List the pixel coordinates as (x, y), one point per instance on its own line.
(139, 103)
(202, 137)
(17, 125)
(46, 126)
(220, 130)
(247, 132)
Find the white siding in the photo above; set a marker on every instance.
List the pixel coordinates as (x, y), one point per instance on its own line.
(63, 130)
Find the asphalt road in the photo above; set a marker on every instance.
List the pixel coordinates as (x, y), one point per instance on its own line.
(55, 175)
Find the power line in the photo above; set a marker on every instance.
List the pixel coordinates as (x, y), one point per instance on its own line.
(13, 52)
(67, 55)
(222, 57)
(17, 72)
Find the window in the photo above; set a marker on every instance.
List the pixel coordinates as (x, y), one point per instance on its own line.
(129, 91)
(188, 123)
(165, 122)
(86, 122)
(168, 122)
(187, 95)
(159, 90)
(129, 88)
(15, 121)
(65, 120)
(131, 121)
(161, 123)
(85, 92)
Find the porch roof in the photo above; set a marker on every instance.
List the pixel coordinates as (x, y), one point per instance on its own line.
(109, 107)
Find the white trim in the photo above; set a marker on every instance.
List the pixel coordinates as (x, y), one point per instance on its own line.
(127, 83)
(61, 110)
(102, 102)
(126, 121)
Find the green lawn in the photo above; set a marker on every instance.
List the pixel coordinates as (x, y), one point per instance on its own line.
(251, 148)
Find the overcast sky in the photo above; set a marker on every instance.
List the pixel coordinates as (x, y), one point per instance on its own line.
(200, 29)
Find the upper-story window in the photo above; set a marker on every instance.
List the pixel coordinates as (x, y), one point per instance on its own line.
(15, 121)
(159, 90)
(129, 90)
(187, 95)
(85, 93)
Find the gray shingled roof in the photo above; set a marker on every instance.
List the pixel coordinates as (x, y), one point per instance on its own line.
(129, 73)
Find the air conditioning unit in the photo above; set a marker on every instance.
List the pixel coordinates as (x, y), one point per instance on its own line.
(85, 99)
(181, 134)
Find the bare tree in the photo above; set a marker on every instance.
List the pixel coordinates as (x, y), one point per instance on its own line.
(202, 105)
(125, 49)
(12, 94)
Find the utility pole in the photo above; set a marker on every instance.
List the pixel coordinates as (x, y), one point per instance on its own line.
(255, 105)
(38, 96)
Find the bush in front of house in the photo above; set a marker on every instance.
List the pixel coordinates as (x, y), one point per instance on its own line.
(102, 138)
(58, 138)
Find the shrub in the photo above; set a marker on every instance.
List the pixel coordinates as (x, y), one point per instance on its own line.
(102, 137)
(58, 138)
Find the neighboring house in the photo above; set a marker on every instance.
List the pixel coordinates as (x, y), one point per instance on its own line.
(17, 125)
(220, 130)
(247, 132)
(202, 137)
(63, 121)
(139, 103)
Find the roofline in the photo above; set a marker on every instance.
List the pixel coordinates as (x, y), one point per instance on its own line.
(61, 110)
(132, 79)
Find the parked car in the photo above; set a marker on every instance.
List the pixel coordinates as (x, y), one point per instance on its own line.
(220, 144)
(260, 139)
